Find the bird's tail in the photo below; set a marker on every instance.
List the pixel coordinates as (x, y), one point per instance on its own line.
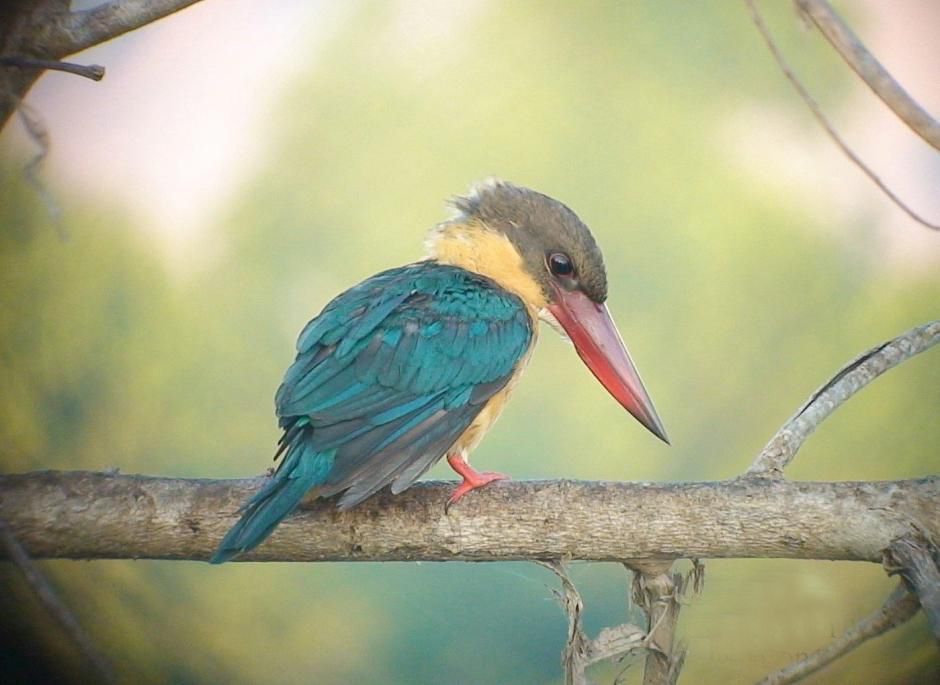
(303, 468)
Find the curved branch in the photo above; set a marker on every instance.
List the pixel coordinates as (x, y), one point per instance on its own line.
(900, 606)
(824, 122)
(87, 515)
(869, 69)
(858, 373)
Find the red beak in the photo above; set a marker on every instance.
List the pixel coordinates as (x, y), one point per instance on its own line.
(600, 346)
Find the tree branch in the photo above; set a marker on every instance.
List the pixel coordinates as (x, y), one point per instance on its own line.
(55, 606)
(109, 20)
(87, 515)
(916, 558)
(44, 31)
(824, 122)
(858, 373)
(900, 606)
(869, 69)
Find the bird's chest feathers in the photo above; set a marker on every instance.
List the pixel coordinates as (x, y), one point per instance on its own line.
(488, 415)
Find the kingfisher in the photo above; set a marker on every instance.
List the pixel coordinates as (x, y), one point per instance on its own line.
(416, 363)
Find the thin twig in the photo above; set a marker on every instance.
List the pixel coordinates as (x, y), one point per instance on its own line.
(824, 122)
(869, 69)
(39, 134)
(56, 608)
(900, 606)
(858, 373)
(95, 72)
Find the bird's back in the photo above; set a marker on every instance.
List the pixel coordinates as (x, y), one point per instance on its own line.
(394, 370)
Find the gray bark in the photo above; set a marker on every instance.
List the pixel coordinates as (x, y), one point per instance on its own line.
(87, 515)
(48, 30)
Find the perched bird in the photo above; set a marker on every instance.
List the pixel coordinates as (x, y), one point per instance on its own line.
(417, 362)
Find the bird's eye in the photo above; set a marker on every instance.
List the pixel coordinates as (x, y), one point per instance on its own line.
(560, 264)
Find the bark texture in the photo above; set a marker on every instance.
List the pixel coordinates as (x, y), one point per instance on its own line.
(91, 515)
(49, 30)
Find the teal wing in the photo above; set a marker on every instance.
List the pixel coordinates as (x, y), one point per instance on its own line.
(394, 370)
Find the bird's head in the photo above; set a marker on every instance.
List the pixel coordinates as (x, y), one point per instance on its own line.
(537, 248)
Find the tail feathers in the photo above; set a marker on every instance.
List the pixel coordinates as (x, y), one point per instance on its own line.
(302, 469)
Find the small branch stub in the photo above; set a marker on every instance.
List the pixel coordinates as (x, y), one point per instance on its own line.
(917, 560)
(95, 72)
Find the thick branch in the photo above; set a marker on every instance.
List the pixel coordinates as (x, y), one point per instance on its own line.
(858, 373)
(85, 515)
(112, 19)
(900, 606)
(869, 69)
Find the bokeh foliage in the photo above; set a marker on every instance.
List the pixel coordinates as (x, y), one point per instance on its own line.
(735, 301)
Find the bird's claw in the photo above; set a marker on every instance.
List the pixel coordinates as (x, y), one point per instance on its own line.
(472, 482)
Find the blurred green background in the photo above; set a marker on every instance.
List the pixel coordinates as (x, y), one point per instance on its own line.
(736, 297)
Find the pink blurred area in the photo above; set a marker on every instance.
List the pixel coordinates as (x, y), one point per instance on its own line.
(183, 118)
(791, 152)
(179, 120)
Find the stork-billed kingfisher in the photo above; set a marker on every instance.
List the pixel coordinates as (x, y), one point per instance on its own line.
(417, 362)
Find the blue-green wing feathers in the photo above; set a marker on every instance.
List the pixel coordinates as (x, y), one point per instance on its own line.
(385, 380)
(422, 348)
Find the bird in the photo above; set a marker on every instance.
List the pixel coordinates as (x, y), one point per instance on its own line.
(416, 363)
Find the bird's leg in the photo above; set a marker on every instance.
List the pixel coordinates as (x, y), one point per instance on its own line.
(472, 479)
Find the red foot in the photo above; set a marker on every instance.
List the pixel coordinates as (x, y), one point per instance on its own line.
(472, 479)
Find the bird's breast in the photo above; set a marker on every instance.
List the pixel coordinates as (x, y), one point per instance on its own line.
(471, 437)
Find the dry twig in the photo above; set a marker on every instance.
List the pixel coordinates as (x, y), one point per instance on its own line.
(657, 591)
(39, 134)
(95, 72)
(824, 122)
(37, 35)
(900, 606)
(56, 608)
(869, 69)
(580, 651)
